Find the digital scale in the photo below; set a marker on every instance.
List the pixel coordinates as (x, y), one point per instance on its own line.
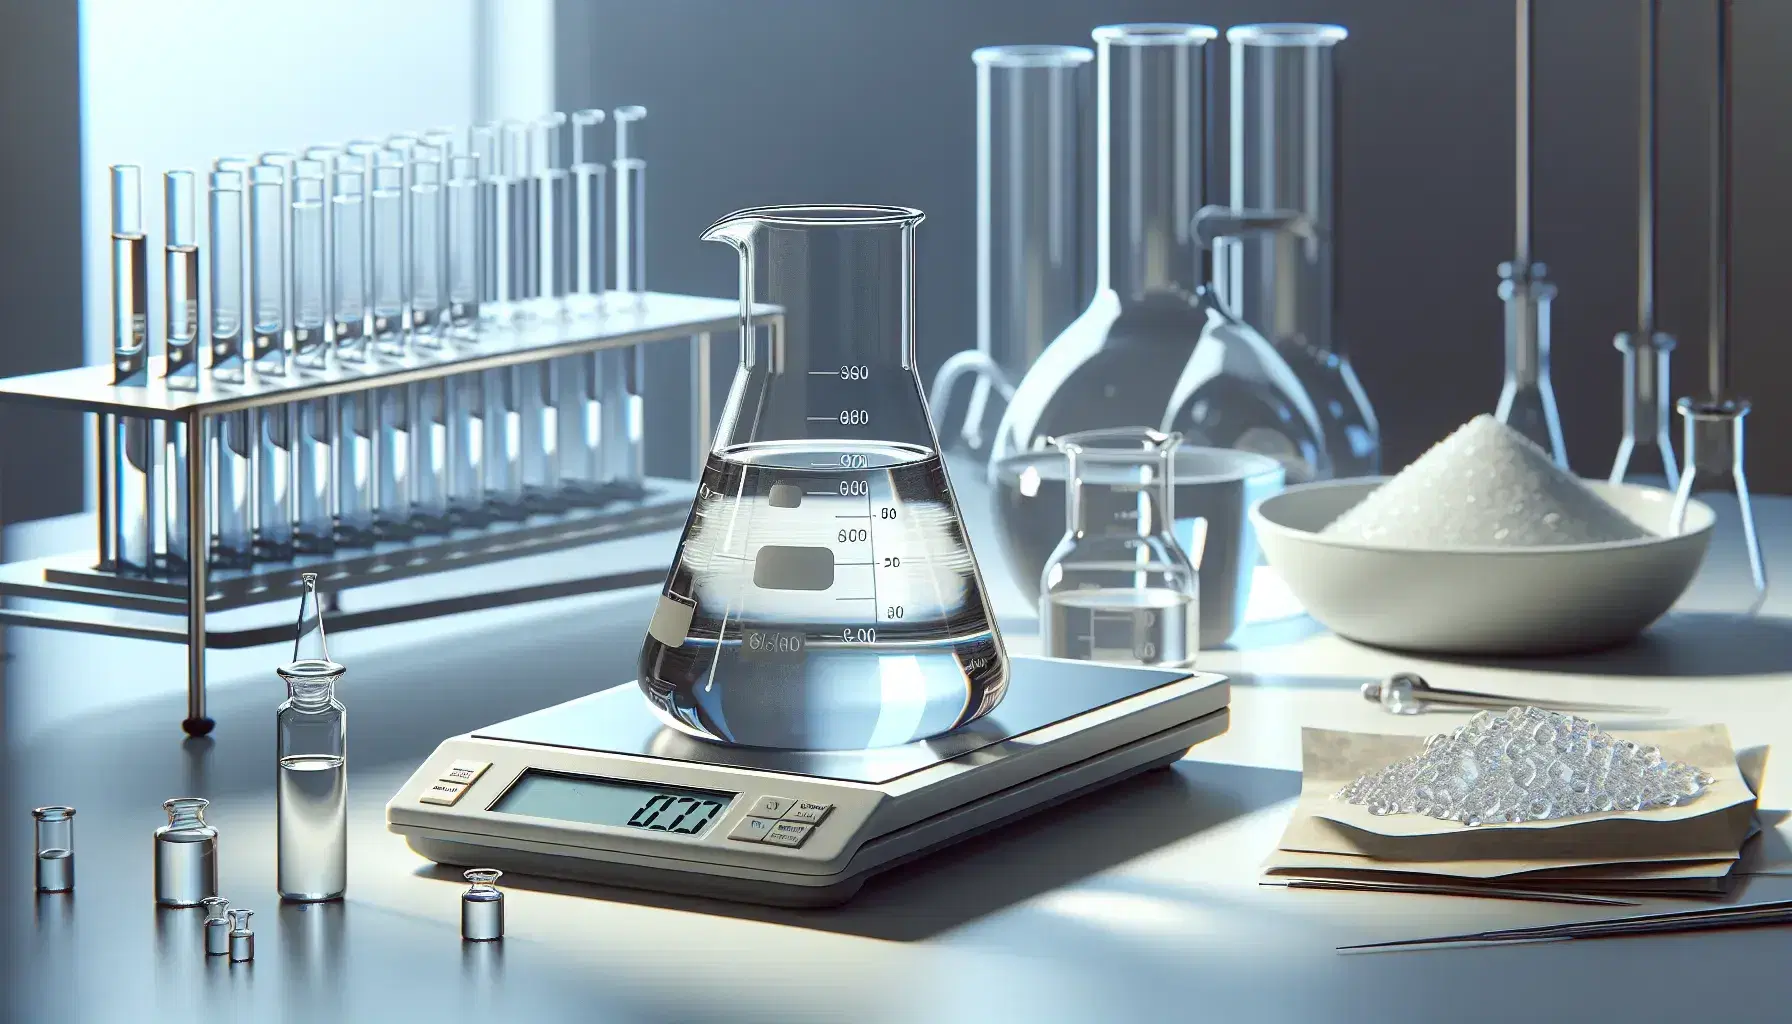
(597, 789)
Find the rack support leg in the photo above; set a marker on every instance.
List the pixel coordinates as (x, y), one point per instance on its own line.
(199, 533)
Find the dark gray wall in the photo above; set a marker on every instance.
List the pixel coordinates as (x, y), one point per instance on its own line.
(872, 101)
(40, 264)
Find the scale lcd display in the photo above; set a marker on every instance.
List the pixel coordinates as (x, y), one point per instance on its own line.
(684, 812)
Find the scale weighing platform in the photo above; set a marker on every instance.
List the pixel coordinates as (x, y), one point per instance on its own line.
(598, 790)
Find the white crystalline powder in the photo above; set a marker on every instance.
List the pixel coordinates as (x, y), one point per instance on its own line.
(1484, 486)
(1526, 765)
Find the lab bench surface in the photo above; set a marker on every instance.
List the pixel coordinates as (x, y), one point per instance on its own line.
(1140, 902)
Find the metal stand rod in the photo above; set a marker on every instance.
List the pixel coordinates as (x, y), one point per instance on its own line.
(1718, 326)
(1647, 160)
(198, 564)
(1521, 251)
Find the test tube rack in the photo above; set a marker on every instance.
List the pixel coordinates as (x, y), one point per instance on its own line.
(89, 597)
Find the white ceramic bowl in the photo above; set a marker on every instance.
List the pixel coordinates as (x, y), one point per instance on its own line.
(1482, 601)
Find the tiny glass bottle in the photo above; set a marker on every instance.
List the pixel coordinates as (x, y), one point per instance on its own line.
(242, 939)
(186, 854)
(217, 926)
(55, 848)
(482, 906)
(1119, 588)
(312, 818)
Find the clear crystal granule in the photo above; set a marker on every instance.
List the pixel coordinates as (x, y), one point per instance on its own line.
(1526, 765)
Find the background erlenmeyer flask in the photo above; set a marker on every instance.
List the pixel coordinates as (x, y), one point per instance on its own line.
(824, 595)
(1030, 102)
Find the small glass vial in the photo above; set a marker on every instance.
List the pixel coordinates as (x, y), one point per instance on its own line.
(55, 849)
(1119, 588)
(242, 940)
(482, 906)
(217, 926)
(312, 791)
(186, 854)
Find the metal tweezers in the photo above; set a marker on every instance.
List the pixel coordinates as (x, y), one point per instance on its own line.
(1778, 912)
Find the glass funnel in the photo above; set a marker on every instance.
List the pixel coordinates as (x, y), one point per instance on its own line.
(1284, 157)
(1119, 588)
(1153, 346)
(824, 595)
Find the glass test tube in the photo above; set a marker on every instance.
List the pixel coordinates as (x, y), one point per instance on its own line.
(554, 262)
(482, 148)
(392, 416)
(519, 163)
(180, 280)
(590, 195)
(287, 163)
(578, 409)
(310, 266)
(226, 214)
(356, 429)
(428, 399)
(631, 208)
(55, 827)
(267, 269)
(272, 455)
(229, 435)
(180, 303)
(314, 455)
(466, 392)
(462, 202)
(128, 447)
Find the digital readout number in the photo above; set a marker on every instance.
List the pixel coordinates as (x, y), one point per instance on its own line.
(679, 815)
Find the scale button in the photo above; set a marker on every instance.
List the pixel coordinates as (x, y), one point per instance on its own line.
(787, 833)
(465, 772)
(806, 811)
(752, 830)
(443, 793)
(772, 806)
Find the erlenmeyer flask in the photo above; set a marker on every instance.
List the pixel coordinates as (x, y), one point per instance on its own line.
(1119, 588)
(1152, 346)
(1733, 579)
(824, 595)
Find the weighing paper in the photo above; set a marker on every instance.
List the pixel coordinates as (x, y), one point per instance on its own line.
(1714, 825)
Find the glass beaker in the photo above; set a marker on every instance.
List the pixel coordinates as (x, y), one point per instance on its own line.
(1284, 155)
(1030, 113)
(55, 828)
(1119, 587)
(824, 595)
(1153, 345)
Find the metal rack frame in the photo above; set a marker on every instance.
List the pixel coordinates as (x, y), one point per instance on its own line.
(74, 581)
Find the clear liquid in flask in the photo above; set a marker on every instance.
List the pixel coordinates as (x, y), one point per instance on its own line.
(313, 827)
(1124, 625)
(824, 598)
